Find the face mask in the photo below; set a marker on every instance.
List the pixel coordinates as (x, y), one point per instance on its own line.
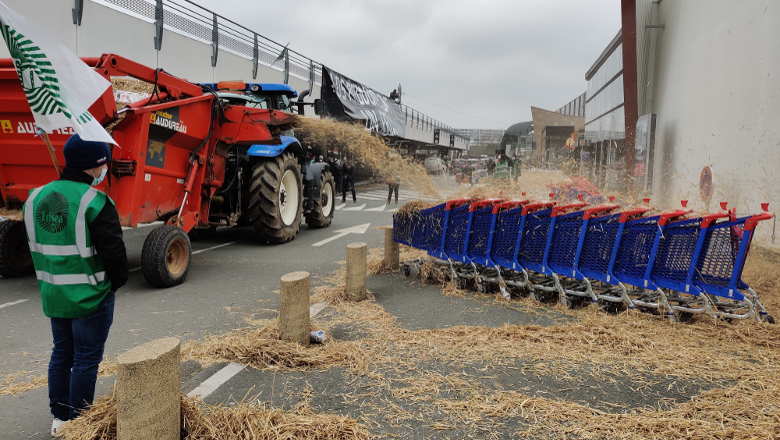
(96, 180)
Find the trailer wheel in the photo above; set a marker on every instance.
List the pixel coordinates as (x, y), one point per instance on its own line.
(322, 211)
(165, 258)
(276, 198)
(15, 258)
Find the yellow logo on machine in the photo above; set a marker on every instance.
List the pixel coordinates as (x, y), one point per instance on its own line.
(168, 120)
(6, 126)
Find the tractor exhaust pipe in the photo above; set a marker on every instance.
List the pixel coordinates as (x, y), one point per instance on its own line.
(302, 95)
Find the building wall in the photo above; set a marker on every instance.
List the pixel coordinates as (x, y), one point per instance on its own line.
(107, 30)
(717, 96)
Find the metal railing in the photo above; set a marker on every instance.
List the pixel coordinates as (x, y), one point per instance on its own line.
(189, 19)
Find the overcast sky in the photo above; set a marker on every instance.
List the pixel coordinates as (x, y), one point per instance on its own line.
(488, 59)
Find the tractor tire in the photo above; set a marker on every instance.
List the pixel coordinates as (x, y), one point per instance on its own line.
(324, 206)
(15, 258)
(276, 199)
(166, 256)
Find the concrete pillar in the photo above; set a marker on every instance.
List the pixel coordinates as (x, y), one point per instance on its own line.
(148, 389)
(294, 308)
(356, 271)
(391, 250)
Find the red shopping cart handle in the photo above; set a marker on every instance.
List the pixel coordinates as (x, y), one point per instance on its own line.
(482, 203)
(563, 209)
(668, 216)
(600, 210)
(710, 218)
(625, 215)
(457, 202)
(510, 204)
(751, 223)
(536, 206)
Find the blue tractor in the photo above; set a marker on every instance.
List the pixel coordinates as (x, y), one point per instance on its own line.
(272, 187)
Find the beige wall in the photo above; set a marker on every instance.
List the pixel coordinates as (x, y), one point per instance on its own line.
(717, 96)
(543, 118)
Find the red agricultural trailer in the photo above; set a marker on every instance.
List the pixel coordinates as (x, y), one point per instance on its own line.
(185, 157)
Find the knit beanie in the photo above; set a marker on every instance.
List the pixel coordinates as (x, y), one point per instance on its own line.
(85, 155)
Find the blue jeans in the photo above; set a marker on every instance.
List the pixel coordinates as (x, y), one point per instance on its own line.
(78, 350)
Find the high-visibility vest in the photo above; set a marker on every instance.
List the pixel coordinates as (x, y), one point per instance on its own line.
(501, 171)
(71, 276)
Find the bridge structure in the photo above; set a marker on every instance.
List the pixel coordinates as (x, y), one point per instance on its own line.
(192, 42)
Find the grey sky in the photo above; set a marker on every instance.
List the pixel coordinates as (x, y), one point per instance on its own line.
(491, 59)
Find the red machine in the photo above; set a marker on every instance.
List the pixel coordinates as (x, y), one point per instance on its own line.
(170, 162)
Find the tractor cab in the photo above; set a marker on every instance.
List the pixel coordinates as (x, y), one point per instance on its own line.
(256, 95)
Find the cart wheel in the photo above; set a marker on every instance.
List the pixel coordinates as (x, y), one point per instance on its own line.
(407, 270)
(533, 296)
(15, 258)
(684, 316)
(165, 258)
(566, 302)
(482, 287)
(461, 283)
(770, 319)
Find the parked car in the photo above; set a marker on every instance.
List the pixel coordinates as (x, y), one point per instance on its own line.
(434, 165)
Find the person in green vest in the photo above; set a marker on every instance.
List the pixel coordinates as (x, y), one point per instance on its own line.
(80, 261)
(502, 169)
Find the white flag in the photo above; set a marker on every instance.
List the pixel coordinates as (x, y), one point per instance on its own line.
(60, 88)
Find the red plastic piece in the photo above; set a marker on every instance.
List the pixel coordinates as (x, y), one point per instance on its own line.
(723, 205)
(457, 202)
(552, 195)
(625, 215)
(523, 194)
(601, 209)
(611, 198)
(710, 218)
(764, 206)
(510, 204)
(672, 215)
(646, 199)
(563, 209)
(751, 223)
(482, 203)
(536, 206)
(684, 203)
(580, 196)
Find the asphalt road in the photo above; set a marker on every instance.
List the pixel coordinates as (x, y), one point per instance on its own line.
(231, 275)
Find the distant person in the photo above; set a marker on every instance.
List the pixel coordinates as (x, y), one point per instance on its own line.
(77, 288)
(517, 168)
(393, 183)
(394, 95)
(468, 173)
(335, 167)
(348, 181)
(502, 167)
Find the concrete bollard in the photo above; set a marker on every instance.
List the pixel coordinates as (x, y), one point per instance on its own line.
(148, 390)
(356, 271)
(294, 308)
(392, 253)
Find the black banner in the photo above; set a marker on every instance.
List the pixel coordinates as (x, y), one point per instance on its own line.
(347, 99)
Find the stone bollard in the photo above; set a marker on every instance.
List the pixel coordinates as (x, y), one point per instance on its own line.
(148, 391)
(356, 271)
(392, 258)
(294, 308)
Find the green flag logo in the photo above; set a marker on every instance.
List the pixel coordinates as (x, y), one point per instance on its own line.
(39, 80)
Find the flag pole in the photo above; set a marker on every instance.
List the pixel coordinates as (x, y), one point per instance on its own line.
(45, 137)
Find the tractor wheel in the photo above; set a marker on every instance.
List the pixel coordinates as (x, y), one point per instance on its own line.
(166, 255)
(324, 206)
(276, 198)
(15, 258)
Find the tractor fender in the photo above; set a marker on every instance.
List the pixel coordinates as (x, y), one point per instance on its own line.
(289, 143)
(311, 176)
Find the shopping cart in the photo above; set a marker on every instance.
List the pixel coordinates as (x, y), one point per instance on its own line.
(420, 230)
(567, 240)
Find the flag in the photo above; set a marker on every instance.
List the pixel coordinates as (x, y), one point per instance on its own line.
(59, 87)
(282, 54)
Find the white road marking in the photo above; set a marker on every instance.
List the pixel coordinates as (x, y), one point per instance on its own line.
(214, 247)
(12, 303)
(317, 308)
(220, 377)
(379, 208)
(340, 206)
(356, 208)
(357, 229)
